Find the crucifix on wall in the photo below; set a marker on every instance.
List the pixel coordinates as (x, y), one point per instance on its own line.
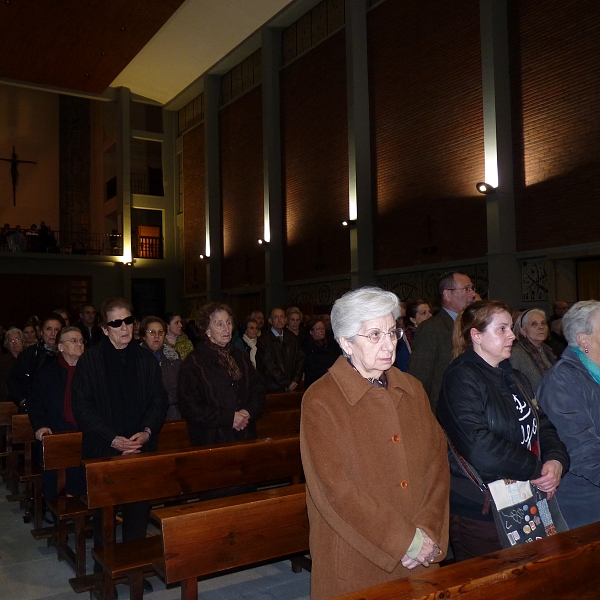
(14, 171)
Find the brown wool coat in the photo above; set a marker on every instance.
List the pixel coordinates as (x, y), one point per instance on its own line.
(376, 469)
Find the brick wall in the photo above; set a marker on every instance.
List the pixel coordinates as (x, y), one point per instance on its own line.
(194, 224)
(557, 49)
(427, 132)
(315, 161)
(240, 129)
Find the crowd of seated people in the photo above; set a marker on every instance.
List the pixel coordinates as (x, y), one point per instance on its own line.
(511, 407)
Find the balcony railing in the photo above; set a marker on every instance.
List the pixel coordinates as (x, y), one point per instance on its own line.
(147, 247)
(62, 242)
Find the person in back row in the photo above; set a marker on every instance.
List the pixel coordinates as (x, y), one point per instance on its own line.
(92, 334)
(432, 344)
(20, 378)
(279, 357)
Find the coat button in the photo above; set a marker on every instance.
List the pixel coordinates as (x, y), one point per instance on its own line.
(396, 438)
(404, 484)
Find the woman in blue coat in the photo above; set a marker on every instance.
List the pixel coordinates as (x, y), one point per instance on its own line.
(570, 396)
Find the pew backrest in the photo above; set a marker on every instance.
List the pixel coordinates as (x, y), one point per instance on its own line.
(155, 475)
(22, 432)
(283, 422)
(208, 537)
(561, 566)
(279, 401)
(7, 410)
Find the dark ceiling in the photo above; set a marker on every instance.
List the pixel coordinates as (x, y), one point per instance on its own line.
(79, 45)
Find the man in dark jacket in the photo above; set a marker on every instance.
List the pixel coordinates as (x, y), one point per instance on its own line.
(92, 334)
(279, 357)
(28, 362)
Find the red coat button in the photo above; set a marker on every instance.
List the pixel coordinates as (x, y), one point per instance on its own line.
(396, 438)
(404, 484)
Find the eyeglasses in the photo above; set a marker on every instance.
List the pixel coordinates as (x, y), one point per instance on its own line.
(118, 322)
(155, 332)
(15, 341)
(318, 329)
(375, 337)
(79, 341)
(466, 289)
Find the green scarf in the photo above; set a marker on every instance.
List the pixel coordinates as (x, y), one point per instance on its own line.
(588, 363)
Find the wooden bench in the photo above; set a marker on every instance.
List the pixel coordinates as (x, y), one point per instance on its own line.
(158, 475)
(62, 451)
(561, 567)
(28, 473)
(279, 401)
(284, 422)
(7, 410)
(208, 537)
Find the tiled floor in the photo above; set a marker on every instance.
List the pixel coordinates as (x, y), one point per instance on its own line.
(29, 570)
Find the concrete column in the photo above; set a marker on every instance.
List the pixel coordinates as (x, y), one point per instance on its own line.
(359, 144)
(273, 193)
(123, 168)
(214, 217)
(174, 282)
(504, 269)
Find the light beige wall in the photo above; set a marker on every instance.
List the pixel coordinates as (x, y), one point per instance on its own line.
(29, 121)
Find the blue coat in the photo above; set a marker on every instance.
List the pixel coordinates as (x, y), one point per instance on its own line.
(571, 399)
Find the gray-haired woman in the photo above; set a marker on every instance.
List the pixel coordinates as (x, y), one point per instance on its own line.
(374, 457)
(570, 396)
(530, 353)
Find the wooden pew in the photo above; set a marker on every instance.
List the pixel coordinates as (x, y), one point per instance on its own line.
(561, 567)
(208, 537)
(63, 450)
(280, 401)
(284, 422)
(7, 410)
(156, 475)
(21, 432)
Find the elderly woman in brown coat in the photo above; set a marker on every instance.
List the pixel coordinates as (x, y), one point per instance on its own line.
(374, 458)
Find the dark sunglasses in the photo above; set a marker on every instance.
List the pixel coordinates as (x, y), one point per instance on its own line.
(118, 322)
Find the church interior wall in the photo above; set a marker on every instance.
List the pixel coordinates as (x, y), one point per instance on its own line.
(242, 190)
(314, 146)
(29, 120)
(427, 132)
(557, 48)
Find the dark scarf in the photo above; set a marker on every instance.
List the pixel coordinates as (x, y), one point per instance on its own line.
(122, 382)
(536, 354)
(67, 411)
(225, 359)
(381, 381)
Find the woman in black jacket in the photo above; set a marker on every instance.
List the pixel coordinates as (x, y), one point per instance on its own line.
(491, 417)
(221, 395)
(320, 352)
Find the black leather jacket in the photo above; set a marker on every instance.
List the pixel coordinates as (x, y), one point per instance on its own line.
(477, 410)
(279, 362)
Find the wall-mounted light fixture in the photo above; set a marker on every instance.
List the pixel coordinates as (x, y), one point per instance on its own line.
(485, 188)
(203, 257)
(262, 242)
(129, 264)
(349, 223)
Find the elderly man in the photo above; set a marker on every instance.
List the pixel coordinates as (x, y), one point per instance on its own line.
(432, 345)
(256, 315)
(279, 357)
(92, 334)
(559, 310)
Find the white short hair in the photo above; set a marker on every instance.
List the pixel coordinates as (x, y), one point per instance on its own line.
(12, 331)
(357, 306)
(580, 319)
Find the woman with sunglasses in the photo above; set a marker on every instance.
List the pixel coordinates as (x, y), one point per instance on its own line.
(49, 403)
(374, 458)
(119, 403)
